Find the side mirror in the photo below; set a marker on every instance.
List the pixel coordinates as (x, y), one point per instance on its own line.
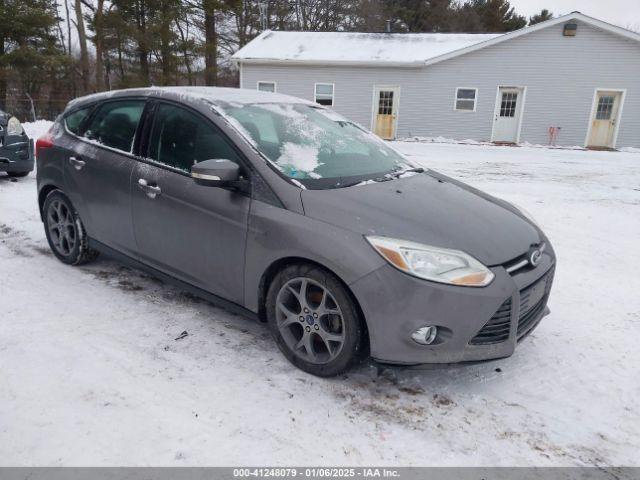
(216, 173)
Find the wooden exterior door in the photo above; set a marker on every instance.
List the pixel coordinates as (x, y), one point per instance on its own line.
(386, 111)
(604, 119)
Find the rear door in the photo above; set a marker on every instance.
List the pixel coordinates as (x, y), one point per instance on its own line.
(98, 172)
(189, 231)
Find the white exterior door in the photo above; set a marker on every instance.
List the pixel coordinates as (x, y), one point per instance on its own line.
(604, 119)
(385, 111)
(506, 123)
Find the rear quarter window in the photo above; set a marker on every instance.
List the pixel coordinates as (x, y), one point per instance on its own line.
(74, 120)
(114, 124)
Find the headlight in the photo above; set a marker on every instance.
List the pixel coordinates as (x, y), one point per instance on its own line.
(14, 127)
(433, 263)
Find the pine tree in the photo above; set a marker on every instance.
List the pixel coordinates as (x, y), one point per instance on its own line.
(30, 51)
(543, 16)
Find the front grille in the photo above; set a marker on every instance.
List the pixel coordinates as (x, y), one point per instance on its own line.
(497, 329)
(533, 300)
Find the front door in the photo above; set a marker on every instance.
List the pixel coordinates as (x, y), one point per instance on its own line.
(193, 232)
(508, 110)
(386, 111)
(604, 120)
(98, 172)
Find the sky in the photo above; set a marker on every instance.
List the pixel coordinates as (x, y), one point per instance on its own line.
(624, 13)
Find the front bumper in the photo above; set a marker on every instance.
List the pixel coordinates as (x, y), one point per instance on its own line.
(395, 305)
(17, 156)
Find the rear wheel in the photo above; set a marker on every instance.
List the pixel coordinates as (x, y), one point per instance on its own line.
(314, 320)
(64, 230)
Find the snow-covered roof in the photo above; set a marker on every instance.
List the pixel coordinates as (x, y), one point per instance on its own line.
(401, 49)
(388, 49)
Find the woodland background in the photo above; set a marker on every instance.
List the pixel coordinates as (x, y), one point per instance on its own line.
(54, 50)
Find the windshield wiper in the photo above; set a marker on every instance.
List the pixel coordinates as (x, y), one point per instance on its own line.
(408, 170)
(384, 178)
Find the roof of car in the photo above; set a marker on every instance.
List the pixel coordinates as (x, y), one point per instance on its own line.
(214, 95)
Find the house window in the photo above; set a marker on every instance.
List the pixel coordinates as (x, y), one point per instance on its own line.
(605, 107)
(466, 99)
(267, 86)
(508, 104)
(324, 94)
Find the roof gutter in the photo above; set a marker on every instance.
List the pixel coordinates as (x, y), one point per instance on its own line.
(324, 63)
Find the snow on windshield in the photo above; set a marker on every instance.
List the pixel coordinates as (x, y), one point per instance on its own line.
(309, 143)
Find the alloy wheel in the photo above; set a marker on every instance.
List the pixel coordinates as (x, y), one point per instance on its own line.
(62, 227)
(310, 320)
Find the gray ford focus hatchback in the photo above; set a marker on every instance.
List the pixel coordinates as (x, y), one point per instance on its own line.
(285, 211)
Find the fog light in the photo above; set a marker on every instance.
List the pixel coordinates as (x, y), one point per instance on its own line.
(425, 335)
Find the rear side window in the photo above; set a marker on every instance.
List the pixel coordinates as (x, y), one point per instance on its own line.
(114, 124)
(181, 139)
(74, 120)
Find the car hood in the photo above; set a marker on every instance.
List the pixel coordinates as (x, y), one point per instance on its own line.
(429, 208)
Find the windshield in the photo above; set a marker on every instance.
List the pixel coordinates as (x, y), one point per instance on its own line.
(315, 146)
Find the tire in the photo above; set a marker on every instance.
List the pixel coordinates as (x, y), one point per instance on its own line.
(18, 174)
(324, 340)
(64, 230)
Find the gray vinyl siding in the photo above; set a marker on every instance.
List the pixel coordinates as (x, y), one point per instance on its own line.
(560, 74)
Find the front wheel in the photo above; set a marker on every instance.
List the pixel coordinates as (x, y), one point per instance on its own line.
(64, 230)
(314, 320)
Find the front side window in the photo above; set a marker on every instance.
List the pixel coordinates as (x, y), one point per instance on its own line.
(114, 124)
(74, 120)
(181, 139)
(267, 86)
(466, 99)
(324, 94)
(316, 146)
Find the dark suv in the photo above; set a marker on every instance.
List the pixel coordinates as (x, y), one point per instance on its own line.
(284, 210)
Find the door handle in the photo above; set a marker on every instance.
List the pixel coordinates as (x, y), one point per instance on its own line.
(152, 191)
(77, 163)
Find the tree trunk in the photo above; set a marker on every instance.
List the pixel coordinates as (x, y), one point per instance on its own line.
(84, 54)
(3, 71)
(143, 48)
(3, 77)
(72, 73)
(211, 43)
(185, 52)
(165, 43)
(99, 42)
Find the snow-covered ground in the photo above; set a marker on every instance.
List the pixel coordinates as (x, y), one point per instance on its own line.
(91, 373)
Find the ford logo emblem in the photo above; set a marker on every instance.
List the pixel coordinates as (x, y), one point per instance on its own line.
(534, 257)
